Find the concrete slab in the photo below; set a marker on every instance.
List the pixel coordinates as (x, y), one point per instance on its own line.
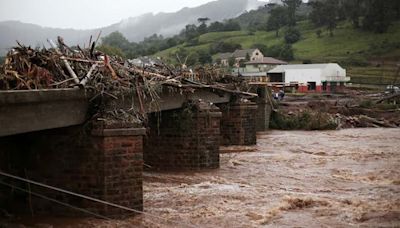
(35, 110)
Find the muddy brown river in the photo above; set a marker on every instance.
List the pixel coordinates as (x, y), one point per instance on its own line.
(346, 178)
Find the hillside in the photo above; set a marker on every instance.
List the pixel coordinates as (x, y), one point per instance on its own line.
(134, 28)
(369, 57)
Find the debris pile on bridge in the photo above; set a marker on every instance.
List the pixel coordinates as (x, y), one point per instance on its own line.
(62, 66)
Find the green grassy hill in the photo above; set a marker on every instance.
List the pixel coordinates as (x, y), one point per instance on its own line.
(369, 58)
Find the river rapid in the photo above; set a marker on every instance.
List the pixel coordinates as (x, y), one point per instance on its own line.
(346, 178)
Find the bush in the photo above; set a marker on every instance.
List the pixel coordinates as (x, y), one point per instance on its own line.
(192, 42)
(281, 51)
(204, 57)
(292, 35)
(366, 104)
(306, 120)
(287, 53)
(222, 47)
(111, 50)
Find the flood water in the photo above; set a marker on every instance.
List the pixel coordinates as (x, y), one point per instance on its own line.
(347, 178)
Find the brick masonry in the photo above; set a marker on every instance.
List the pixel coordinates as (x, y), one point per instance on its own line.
(106, 165)
(263, 116)
(238, 124)
(185, 139)
(264, 109)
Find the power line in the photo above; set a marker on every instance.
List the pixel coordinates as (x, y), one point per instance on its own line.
(62, 203)
(91, 198)
(54, 200)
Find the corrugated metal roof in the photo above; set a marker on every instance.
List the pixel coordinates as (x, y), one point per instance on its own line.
(253, 74)
(225, 55)
(243, 53)
(283, 68)
(267, 60)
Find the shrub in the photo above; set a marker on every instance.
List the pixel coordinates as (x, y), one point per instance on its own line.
(221, 47)
(281, 51)
(192, 42)
(366, 104)
(292, 35)
(306, 120)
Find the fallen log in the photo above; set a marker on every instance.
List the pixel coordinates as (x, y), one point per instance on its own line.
(371, 120)
(71, 72)
(388, 98)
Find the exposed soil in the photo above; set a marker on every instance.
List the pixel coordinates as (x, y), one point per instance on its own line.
(346, 178)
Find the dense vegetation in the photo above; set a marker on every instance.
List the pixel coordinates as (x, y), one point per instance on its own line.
(350, 32)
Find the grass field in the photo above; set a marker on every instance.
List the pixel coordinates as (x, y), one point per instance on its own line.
(351, 48)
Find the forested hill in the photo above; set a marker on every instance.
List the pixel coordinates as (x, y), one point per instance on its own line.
(133, 28)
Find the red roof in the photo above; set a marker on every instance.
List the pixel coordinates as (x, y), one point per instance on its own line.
(268, 60)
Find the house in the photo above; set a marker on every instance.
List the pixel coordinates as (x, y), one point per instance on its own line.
(251, 54)
(241, 55)
(263, 65)
(310, 77)
(256, 70)
(225, 58)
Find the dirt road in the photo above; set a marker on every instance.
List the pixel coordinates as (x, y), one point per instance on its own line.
(347, 178)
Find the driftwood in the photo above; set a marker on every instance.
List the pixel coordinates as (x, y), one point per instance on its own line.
(388, 98)
(108, 76)
(71, 72)
(367, 119)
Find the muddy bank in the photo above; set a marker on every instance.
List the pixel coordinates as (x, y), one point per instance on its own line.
(346, 178)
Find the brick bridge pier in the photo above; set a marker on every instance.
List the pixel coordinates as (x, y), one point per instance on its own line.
(106, 162)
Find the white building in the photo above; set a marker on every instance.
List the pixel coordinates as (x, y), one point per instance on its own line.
(310, 77)
(241, 55)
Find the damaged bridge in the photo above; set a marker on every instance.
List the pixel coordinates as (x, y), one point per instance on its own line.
(43, 136)
(93, 133)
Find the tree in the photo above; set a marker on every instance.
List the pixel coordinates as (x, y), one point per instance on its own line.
(331, 12)
(221, 47)
(231, 61)
(292, 35)
(181, 54)
(116, 39)
(203, 20)
(380, 15)
(317, 14)
(292, 6)
(111, 50)
(353, 10)
(216, 27)
(192, 59)
(202, 29)
(231, 25)
(287, 52)
(247, 57)
(281, 51)
(192, 42)
(190, 32)
(319, 33)
(277, 19)
(204, 57)
(325, 14)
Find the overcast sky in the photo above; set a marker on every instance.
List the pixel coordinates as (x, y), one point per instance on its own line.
(83, 14)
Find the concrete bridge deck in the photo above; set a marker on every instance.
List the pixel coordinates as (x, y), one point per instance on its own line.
(36, 110)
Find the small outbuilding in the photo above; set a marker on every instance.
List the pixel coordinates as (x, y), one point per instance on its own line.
(310, 77)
